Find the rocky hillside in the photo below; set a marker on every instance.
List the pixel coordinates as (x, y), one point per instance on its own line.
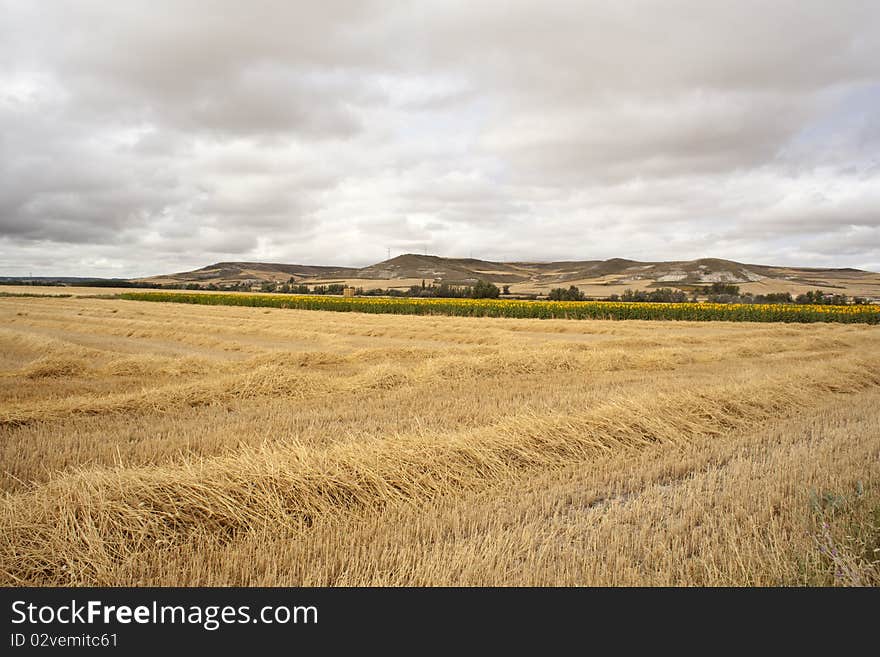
(595, 277)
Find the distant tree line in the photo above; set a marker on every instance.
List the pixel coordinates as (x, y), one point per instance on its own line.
(726, 293)
(98, 282)
(480, 290)
(660, 295)
(573, 293)
(288, 288)
(715, 293)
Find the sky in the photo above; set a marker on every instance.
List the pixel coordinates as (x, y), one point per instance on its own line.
(139, 138)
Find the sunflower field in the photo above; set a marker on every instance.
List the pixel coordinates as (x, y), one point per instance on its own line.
(864, 314)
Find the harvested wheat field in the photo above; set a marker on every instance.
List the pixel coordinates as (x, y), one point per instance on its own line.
(165, 444)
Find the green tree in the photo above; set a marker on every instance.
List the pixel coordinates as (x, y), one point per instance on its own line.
(485, 290)
(573, 293)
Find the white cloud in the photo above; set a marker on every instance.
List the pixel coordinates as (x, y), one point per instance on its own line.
(143, 137)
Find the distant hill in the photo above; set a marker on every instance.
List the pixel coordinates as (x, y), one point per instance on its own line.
(598, 278)
(229, 272)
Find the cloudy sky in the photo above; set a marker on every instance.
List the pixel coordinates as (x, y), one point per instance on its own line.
(139, 138)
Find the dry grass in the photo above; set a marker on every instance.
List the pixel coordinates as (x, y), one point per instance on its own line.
(162, 444)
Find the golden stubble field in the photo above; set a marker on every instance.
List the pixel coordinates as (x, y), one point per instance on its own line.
(164, 444)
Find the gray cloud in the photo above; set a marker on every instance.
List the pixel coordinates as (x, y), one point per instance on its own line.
(143, 137)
